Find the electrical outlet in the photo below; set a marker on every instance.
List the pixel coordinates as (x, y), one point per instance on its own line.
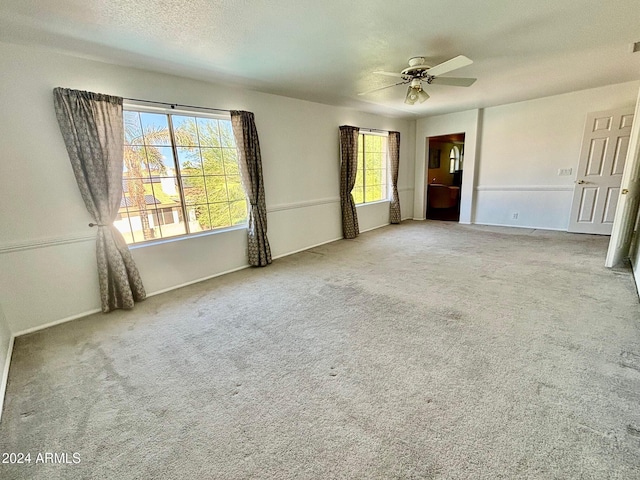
(514, 215)
(564, 172)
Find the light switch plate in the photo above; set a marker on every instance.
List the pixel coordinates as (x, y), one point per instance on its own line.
(564, 172)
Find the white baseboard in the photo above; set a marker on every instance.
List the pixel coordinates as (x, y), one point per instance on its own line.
(164, 290)
(57, 322)
(174, 287)
(307, 248)
(198, 280)
(158, 292)
(98, 310)
(5, 374)
(519, 226)
(375, 228)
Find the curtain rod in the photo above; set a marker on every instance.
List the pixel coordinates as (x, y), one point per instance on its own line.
(174, 105)
(375, 130)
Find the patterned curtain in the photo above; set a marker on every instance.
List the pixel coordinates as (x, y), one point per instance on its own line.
(92, 128)
(348, 171)
(394, 156)
(246, 135)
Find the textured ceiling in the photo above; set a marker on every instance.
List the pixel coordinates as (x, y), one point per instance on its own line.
(326, 51)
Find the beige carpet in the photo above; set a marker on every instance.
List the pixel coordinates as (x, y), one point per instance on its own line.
(425, 350)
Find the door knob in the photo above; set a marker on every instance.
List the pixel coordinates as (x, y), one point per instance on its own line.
(580, 182)
(625, 191)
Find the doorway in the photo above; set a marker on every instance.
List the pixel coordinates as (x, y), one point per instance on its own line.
(444, 177)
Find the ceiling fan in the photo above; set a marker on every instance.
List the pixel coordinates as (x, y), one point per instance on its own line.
(418, 71)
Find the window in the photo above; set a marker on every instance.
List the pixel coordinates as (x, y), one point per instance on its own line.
(454, 159)
(180, 175)
(371, 179)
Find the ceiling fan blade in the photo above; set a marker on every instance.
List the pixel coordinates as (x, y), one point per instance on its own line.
(454, 81)
(390, 74)
(382, 88)
(453, 64)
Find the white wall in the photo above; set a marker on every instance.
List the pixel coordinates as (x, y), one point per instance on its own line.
(518, 151)
(524, 144)
(6, 344)
(47, 259)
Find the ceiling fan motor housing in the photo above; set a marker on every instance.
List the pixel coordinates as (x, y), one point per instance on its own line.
(416, 68)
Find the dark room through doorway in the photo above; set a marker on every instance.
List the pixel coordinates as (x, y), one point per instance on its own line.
(444, 176)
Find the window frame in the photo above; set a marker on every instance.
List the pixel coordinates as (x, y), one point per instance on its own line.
(454, 159)
(384, 134)
(129, 105)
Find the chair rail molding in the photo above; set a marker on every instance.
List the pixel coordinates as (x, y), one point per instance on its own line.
(45, 242)
(524, 188)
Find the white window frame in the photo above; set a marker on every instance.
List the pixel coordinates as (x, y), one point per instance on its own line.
(195, 112)
(387, 168)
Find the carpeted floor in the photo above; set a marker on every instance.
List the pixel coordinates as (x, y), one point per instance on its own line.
(425, 350)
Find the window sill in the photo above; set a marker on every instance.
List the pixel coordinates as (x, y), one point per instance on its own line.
(189, 236)
(373, 203)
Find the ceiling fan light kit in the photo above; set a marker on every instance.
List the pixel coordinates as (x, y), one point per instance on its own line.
(415, 93)
(418, 71)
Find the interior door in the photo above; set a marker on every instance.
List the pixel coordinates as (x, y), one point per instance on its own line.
(627, 213)
(602, 159)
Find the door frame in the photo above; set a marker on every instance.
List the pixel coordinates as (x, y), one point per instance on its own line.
(467, 122)
(624, 223)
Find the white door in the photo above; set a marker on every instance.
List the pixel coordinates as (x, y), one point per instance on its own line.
(602, 158)
(626, 216)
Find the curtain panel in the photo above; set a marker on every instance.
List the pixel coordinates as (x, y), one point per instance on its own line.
(246, 135)
(348, 171)
(92, 128)
(394, 159)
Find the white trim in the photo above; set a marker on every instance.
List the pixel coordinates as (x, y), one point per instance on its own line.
(98, 310)
(66, 240)
(57, 322)
(5, 374)
(636, 277)
(374, 228)
(168, 289)
(406, 189)
(55, 241)
(325, 242)
(191, 282)
(308, 203)
(186, 236)
(385, 200)
(525, 188)
(374, 131)
(308, 248)
(44, 242)
(146, 107)
(518, 226)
